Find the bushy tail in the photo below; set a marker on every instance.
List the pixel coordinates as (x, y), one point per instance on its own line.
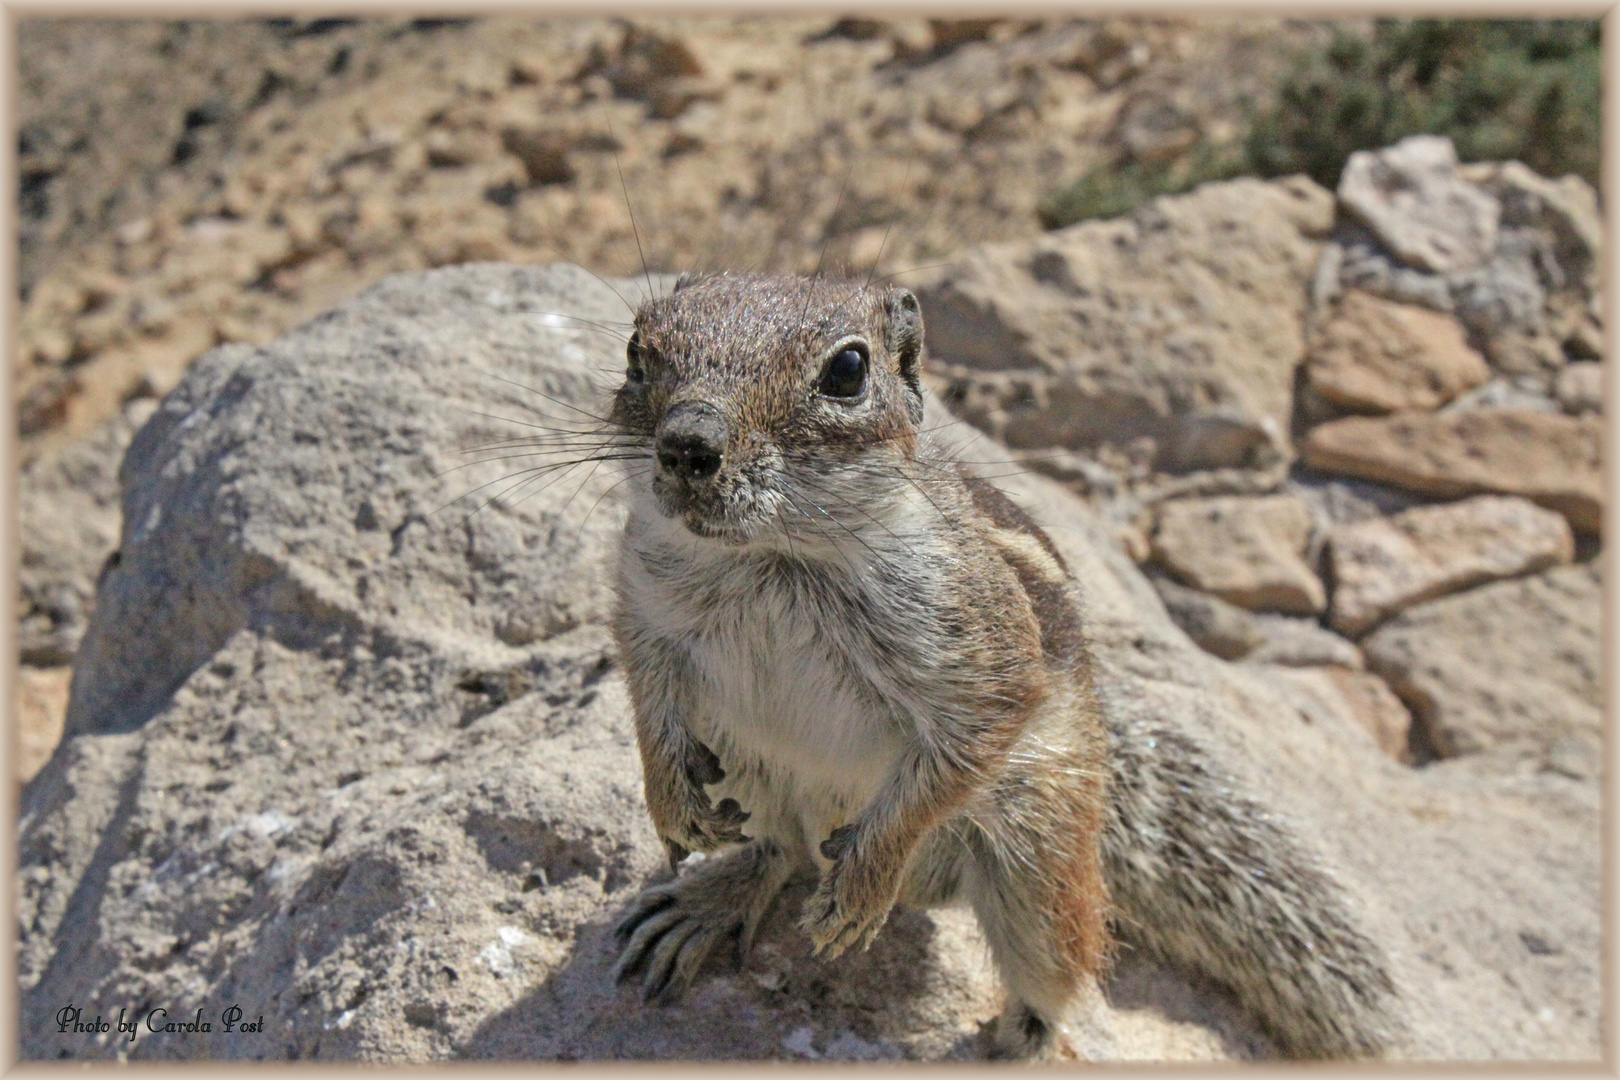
(1202, 879)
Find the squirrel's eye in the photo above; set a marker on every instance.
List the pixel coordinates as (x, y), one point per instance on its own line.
(634, 354)
(845, 374)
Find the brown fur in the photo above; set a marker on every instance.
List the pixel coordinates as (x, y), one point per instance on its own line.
(932, 607)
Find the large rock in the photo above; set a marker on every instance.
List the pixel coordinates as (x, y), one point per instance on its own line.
(1180, 324)
(1550, 459)
(1410, 195)
(365, 768)
(1528, 297)
(1515, 665)
(1375, 356)
(1247, 550)
(1382, 566)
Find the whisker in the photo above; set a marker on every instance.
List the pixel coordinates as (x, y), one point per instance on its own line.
(611, 329)
(853, 534)
(530, 475)
(908, 270)
(540, 470)
(541, 454)
(546, 396)
(534, 449)
(904, 177)
(615, 486)
(824, 491)
(634, 229)
(627, 304)
(793, 495)
(599, 426)
(556, 439)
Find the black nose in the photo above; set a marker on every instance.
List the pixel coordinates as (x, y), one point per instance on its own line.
(692, 441)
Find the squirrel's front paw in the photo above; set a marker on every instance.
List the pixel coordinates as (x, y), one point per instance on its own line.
(849, 907)
(686, 820)
(702, 826)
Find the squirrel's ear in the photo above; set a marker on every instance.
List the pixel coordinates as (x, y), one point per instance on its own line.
(904, 332)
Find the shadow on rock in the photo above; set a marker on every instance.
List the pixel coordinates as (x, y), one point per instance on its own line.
(781, 1003)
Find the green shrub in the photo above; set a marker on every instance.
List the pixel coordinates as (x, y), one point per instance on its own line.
(1118, 189)
(1528, 89)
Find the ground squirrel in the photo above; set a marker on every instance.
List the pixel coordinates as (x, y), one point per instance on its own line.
(851, 658)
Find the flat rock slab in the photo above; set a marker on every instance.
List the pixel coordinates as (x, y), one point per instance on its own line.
(1181, 324)
(1247, 550)
(1377, 356)
(1410, 195)
(1515, 665)
(1550, 459)
(1384, 565)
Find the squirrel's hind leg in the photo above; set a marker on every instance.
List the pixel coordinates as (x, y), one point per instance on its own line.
(673, 927)
(1035, 883)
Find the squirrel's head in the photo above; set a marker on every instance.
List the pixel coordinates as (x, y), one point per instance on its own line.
(772, 401)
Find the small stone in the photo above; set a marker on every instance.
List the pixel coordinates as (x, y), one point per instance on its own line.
(1379, 357)
(1246, 550)
(1550, 459)
(42, 697)
(544, 154)
(1354, 701)
(1526, 352)
(1368, 267)
(1293, 642)
(1423, 212)
(1508, 293)
(1375, 708)
(1503, 393)
(801, 1043)
(1585, 341)
(1151, 128)
(1222, 629)
(671, 98)
(1135, 543)
(1579, 389)
(1383, 566)
(1574, 756)
(1566, 207)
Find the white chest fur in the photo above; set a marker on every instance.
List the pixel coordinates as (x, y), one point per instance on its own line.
(803, 672)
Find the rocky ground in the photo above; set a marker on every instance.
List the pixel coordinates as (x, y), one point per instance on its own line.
(1348, 443)
(190, 183)
(356, 759)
